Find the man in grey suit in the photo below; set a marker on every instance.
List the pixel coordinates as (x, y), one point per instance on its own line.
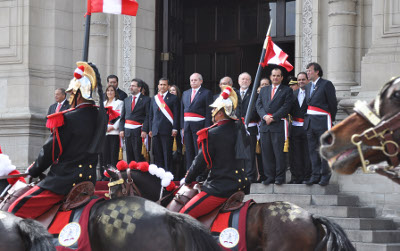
(273, 105)
(321, 112)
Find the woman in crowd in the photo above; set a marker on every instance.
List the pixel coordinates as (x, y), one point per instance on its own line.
(111, 144)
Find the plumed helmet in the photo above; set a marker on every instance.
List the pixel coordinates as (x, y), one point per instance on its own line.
(227, 100)
(84, 80)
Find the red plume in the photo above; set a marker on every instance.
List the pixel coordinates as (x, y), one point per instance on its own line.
(106, 174)
(133, 165)
(79, 72)
(0, 150)
(171, 186)
(122, 165)
(143, 166)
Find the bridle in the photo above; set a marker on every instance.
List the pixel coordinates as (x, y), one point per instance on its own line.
(128, 187)
(382, 130)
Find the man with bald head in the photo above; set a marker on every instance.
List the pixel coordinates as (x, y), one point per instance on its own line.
(195, 114)
(245, 94)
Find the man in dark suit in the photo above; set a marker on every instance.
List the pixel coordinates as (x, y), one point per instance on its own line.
(134, 123)
(245, 94)
(113, 80)
(321, 112)
(195, 114)
(273, 105)
(61, 103)
(300, 165)
(164, 124)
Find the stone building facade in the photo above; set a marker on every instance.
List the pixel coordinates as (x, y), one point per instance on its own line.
(355, 41)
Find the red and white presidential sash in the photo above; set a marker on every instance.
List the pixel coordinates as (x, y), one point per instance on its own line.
(164, 108)
(285, 126)
(131, 124)
(312, 110)
(193, 117)
(297, 121)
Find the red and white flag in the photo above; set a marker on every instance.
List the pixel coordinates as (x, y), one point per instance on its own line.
(124, 7)
(275, 55)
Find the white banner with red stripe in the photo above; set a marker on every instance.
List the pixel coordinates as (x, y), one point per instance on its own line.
(164, 108)
(124, 7)
(193, 117)
(131, 124)
(312, 110)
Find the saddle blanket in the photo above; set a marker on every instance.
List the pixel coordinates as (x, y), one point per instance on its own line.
(70, 228)
(229, 229)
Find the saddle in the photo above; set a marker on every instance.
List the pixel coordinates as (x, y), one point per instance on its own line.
(185, 193)
(17, 190)
(78, 196)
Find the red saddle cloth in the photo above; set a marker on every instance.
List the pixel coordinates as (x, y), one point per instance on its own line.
(70, 229)
(229, 228)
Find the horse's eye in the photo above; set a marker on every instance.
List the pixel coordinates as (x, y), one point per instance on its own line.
(396, 95)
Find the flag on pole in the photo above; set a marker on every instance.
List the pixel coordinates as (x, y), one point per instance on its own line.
(124, 7)
(275, 55)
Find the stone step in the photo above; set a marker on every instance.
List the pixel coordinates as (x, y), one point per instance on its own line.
(257, 188)
(301, 199)
(374, 236)
(342, 211)
(364, 223)
(361, 246)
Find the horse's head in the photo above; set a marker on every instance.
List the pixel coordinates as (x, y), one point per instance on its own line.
(138, 179)
(368, 136)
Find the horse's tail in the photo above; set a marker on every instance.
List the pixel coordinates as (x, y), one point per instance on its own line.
(189, 234)
(339, 239)
(35, 236)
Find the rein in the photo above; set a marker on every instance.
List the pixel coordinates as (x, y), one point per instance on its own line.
(129, 187)
(382, 130)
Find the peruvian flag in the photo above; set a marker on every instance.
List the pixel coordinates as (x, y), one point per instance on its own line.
(275, 55)
(124, 7)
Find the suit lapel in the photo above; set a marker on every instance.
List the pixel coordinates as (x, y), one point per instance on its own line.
(315, 88)
(198, 93)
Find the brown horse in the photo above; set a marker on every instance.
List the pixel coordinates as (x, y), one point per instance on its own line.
(270, 226)
(368, 136)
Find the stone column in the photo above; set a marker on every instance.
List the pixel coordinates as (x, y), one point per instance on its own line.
(341, 45)
(98, 43)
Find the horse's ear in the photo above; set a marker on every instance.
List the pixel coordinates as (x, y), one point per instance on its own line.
(112, 172)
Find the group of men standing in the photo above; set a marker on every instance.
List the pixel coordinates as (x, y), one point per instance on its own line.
(312, 109)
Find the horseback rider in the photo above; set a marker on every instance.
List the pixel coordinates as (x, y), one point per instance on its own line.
(72, 150)
(221, 153)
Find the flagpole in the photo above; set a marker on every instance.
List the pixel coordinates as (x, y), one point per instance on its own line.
(257, 79)
(85, 53)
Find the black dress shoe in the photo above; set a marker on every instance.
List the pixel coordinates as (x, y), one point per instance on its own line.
(311, 182)
(323, 183)
(278, 182)
(267, 182)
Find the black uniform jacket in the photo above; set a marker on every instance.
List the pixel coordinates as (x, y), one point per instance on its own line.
(279, 107)
(139, 114)
(200, 105)
(74, 165)
(254, 115)
(159, 124)
(227, 174)
(323, 97)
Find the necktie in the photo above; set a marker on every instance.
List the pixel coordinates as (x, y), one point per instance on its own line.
(193, 94)
(312, 88)
(242, 94)
(133, 102)
(273, 92)
(300, 98)
(58, 107)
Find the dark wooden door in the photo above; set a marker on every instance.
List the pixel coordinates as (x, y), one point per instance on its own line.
(215, 38)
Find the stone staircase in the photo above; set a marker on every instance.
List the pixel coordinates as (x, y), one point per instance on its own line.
(367, 231)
